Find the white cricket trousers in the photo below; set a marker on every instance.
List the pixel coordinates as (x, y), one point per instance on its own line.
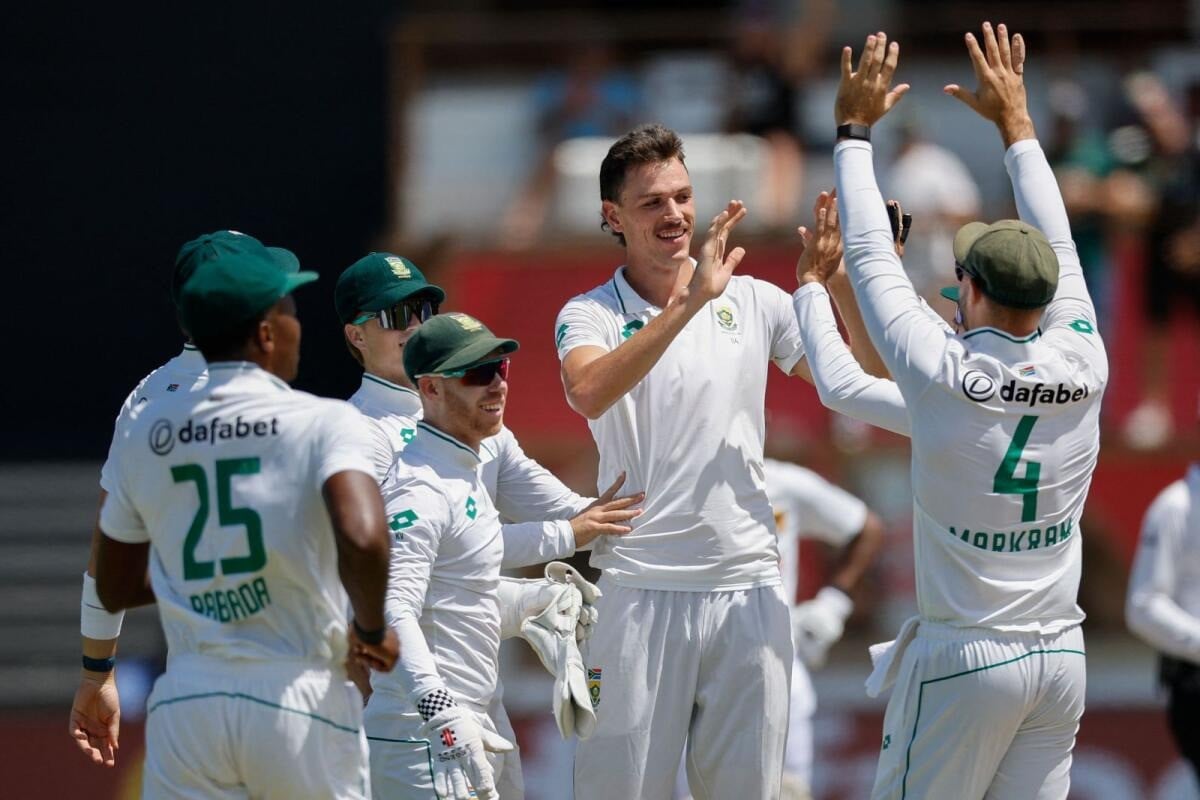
(244, 729)
(402, 759)
(982, 714)
(711, 668)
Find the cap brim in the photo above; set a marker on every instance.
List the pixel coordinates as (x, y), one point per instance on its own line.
(285, 259)
(950, 293)
(477, 352)
(297, 279)
(398, 293)
(966, 238)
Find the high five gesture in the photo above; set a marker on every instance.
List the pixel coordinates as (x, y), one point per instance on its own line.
(865, 95)
(999, 74)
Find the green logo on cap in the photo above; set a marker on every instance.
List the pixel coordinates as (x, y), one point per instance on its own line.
(472, 509)
(468, 324)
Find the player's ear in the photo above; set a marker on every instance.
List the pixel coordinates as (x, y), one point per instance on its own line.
(264, 335)
(354, 335)
(612, 215)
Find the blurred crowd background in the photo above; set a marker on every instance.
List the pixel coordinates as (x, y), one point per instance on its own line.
(467, 135)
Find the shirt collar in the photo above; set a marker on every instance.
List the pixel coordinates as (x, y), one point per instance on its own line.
(221, 373)
(997, 342)
(445, 446)
(192, 360)
(392, 396)
(629, 301)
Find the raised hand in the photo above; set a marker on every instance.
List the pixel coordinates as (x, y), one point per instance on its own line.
(865, 95)
(716, 267)
(823, 246)
(999, 95)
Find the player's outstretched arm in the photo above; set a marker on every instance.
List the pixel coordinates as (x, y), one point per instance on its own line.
(356, 513)
(1000, 83)
(594, 378)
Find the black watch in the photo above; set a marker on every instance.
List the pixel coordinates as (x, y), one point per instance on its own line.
(852, 131)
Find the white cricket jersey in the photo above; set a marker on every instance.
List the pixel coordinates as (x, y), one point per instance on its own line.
(1005, 430)
(1163, 604)
(808, 506)
(225, 484)
(537, 505)
(446, 555)
(690, 435)
(186, 372)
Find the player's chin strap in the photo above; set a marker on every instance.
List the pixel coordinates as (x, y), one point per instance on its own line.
(553, 614)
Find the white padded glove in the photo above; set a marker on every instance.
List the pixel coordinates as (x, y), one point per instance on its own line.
(818, 623)
(560, 572)
(458, 742)
(551, 634)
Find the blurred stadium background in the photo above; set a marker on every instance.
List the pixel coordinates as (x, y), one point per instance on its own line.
(467, 135)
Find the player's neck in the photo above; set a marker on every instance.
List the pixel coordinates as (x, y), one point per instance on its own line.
(657, 282)
(452, 427)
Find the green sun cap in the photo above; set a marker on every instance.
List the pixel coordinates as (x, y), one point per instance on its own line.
(377, 281)
(1013, 262)
(450, 342)
(232, 278)
(201, 247)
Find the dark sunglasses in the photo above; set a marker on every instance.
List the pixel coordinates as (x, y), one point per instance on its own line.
(480, 374)
(400, 316)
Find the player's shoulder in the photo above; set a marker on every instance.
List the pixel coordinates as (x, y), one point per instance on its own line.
(598, 300)
(1176, 499)
(413, 483)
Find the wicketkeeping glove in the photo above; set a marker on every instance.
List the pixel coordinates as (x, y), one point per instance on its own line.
(818, 623)
(560, 572)
(551, 634)
(458, 743)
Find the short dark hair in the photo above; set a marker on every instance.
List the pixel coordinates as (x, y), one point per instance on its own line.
(645, 144)
(229, 345)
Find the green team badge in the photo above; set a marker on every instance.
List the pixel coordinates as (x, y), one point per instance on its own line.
(399, 522)
(1082, 326)
(472, 509)
(560, 334)
(593, 684)
(408, 434)
(398, 267)
(631, 328)
(725, 318)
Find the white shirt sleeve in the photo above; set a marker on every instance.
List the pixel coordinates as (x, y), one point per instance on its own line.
(1150, 608)
(578, 325)
(345, 442)
(824, 511)
(108, 470)
(119, 519)
(1070, 319)
(381, 452)
(529, 543)
(417, 517)
(841, 382)
(787, 346)
(910, 343)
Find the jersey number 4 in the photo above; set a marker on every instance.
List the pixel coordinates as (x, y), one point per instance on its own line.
(227, 516)
(1007, 482)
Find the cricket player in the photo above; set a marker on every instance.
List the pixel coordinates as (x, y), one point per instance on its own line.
(382, 300)
(432, 720)
(668, 361)
(253, 506)
(808, 506)
(96, 712)
(1163, 604)
(1004, 417)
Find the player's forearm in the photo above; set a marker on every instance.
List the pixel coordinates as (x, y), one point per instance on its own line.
(858, 555)
(1040, 203)
(864, 352)
(595, 386)
(363, 549)
(1158, 620)
(841, 383)
(1015, 126)
(416, 669)
(529, 543)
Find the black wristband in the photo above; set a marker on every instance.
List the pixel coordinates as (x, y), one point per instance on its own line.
(369, 637)
(99, 664)
(853, 131)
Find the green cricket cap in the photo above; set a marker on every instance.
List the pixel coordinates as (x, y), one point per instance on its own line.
(1013, 262)
(201, 247)
(378, 281)
(231, 280)
(452, 342)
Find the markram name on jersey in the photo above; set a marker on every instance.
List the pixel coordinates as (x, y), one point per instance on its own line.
(225, 484)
